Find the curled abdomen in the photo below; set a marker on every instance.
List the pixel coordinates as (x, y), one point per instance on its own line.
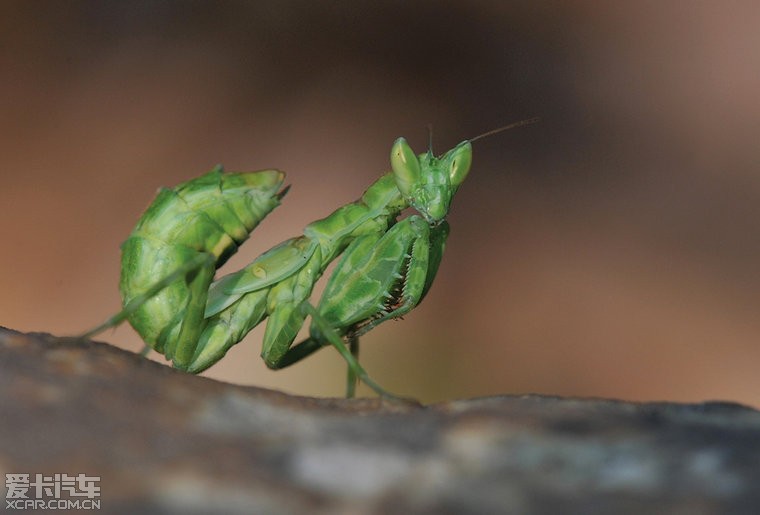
(210, 215)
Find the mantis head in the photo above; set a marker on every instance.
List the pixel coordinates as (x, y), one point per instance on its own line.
(427, 182)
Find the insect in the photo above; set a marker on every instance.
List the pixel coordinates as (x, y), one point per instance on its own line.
(387, 265)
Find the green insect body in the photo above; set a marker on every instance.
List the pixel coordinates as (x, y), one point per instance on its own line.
(386, 265)
(384, 271)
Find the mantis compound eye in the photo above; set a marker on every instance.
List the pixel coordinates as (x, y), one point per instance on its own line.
(460, 159)
(405, 166)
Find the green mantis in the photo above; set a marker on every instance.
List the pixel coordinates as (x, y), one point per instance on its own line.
(387, 265)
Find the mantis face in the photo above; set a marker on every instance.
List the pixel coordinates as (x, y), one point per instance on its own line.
(427, 182)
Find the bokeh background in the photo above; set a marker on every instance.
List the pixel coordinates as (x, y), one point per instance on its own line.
(609, 251)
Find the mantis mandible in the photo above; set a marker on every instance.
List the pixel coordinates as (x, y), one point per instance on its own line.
(386, 265)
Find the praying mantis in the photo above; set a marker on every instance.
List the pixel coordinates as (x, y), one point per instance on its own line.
(386, 267)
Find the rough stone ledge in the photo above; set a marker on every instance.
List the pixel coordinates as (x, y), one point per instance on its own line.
(167, 442)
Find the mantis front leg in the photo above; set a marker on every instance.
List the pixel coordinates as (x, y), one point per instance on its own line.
(378, 278)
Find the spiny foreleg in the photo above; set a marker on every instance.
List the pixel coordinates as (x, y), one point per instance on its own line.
(424, 258)
(378, 278)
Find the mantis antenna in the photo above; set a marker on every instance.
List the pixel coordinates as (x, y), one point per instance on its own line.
(521, 123)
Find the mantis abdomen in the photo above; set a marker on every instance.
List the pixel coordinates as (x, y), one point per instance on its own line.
(202, 222)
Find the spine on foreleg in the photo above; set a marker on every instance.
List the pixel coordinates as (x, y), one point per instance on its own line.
(210, 215)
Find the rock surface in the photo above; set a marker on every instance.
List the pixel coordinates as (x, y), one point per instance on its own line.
(166, 442)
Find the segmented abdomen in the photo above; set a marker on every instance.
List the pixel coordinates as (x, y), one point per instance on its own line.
(212, 214)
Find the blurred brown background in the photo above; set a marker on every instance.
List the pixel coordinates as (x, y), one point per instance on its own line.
(612, 250)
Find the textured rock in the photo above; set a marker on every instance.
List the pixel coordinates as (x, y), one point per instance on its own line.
(166, 442)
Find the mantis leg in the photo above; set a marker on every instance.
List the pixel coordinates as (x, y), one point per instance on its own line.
(298, 352)
(200, 261)
(336, 341)
(329, 336)
(424, 260)
(353, 346)
(271, 286)
(182, 348)
(379, 277)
